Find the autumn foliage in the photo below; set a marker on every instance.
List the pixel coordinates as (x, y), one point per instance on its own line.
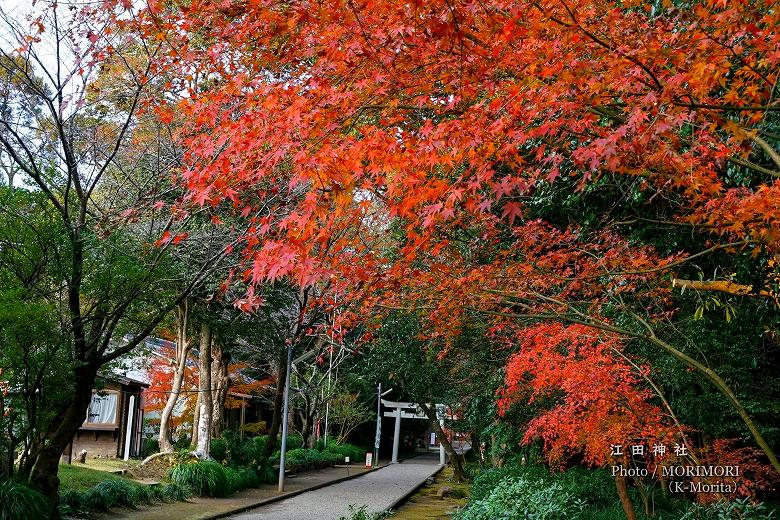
(388, 151)
(596, 396)
(160, 374)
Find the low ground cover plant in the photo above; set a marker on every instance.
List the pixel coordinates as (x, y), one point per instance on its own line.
(18, 500)
(118, 493)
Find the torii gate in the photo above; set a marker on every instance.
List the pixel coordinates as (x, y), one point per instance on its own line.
(405, 410)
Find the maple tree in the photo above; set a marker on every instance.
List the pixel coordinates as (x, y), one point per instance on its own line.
(161, 387)
(600, 396)
(440, 116)
(395, 153)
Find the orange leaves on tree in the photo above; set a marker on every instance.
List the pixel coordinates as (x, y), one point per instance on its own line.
(160, 374)
(596, 397)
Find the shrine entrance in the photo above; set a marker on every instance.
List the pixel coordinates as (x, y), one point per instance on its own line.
(405, 410)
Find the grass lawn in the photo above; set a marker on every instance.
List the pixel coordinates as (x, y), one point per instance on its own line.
(110, 464)
(80, 478)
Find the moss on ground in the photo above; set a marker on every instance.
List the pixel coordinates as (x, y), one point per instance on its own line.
(426, 504)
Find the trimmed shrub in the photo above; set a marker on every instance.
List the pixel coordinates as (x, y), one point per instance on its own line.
(18, 500)
(355, 453)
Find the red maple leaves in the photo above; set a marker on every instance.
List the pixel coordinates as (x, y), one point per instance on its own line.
(597, 396)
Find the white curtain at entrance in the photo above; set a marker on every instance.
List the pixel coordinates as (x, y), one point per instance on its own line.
(102, 409)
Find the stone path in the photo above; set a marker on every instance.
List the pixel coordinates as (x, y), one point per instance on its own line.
(378, 490)
(199, 507)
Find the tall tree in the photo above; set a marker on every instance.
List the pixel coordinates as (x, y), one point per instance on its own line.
(182, 351)
(86, 150)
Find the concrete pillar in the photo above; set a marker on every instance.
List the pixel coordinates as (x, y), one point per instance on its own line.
(396, 435)
(242, 418)
(129, 431)
(442, 455)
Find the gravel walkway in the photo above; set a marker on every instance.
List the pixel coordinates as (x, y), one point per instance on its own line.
(377, 490)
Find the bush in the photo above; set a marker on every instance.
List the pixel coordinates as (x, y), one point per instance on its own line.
(294, 441)
(19, 500)
(112, 493)
(355, 453)
(108, 494)
(255, 428)
(741, 509)
(151, 445)
(259, 442)
(208, 478)
(174, 492)
(524, 498)
(204, 478)
(594, 486)
(266, 473)
(230, 449)
(298, 456)
(486, 481)
(219, 450)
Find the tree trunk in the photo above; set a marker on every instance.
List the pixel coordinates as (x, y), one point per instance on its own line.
(195, 419)
(6, 450)
(220, 385)
(203, 447)
(305, 415)
(625, 500)
(276, 418)
(306, 430)
(457, 465)
(44, 473)
(182, 352)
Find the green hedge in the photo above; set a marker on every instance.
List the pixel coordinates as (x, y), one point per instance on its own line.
(314, 458)
(355, 453)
